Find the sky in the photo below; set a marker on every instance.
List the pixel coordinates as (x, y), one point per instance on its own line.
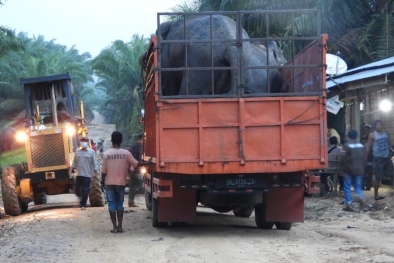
(89, 25)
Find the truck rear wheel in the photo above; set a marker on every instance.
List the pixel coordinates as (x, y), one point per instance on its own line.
(40, 198)
(12, 204)
(96, 196)
(222, 209)
(283, 225)
(260, 216)
(155, 214)
(243, 211)
(148, 200)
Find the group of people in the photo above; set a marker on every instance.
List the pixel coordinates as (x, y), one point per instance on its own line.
(360, 163)
(117, 163)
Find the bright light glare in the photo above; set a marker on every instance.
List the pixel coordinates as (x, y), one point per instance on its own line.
(70, 130)
(21, 136)
(143, 170)
(385, 105)
(362, 106)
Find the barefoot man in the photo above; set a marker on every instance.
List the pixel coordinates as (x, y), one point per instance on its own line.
(382, 165)
(116, 163)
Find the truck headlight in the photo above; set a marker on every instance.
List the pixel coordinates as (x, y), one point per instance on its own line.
(70, 130)
(143, 170)
(21, 136)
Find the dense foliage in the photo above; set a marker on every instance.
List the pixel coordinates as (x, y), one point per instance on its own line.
(24, 57)
(362, 30)
(119, 75)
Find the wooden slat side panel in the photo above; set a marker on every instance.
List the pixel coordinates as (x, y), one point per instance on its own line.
(201, 132)
(304, 79)
(262, 142)
(220, 144)
(150, 121)
(179, 145)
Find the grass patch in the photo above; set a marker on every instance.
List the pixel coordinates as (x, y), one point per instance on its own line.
(375, 216)
(321, 209)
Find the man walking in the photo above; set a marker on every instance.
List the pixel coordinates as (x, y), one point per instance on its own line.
(116, 164)
(352, 165)
(367, 180)
(382, 165)
(85, 164)
(334, 153)
(135, 180)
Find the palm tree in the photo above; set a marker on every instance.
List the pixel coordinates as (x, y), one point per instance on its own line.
(34, 57)
(362, 30)
(8, 41)
(119, 72)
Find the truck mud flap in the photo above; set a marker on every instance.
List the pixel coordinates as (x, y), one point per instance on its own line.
(174, 204)
(285, 205)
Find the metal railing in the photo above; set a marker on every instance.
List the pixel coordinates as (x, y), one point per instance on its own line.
(237, 71)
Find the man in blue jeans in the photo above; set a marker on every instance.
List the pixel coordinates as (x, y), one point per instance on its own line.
(352, 164)
(85, 164)
(116, 164)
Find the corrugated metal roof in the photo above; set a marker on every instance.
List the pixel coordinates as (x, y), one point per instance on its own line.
(373, 69)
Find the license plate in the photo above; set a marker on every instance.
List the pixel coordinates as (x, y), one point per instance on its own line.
(241, 183)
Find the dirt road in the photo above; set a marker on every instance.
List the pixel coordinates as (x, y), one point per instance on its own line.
(60, 232)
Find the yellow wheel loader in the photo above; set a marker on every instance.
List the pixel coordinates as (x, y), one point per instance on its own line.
(51, 140)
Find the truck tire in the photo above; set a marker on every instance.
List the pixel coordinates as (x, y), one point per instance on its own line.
(179, 224)
(96, 196)
(222, 209)
(260, 216)
(148, 201)
(283, 225)
(12, 204)
(243, 211)
(40, 198)
(155, 214)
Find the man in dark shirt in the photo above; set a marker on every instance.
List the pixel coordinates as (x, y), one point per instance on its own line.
(352, 165)
(382, 165)
(135, 178)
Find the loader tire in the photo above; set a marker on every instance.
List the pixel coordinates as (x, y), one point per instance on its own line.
(40, 198)
(24, 206)
(243, 211)
(96, 196)
(9, 182)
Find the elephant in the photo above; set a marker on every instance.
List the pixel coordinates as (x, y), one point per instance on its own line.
(224, 54)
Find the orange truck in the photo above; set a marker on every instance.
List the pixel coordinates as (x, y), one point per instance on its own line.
(242, 152)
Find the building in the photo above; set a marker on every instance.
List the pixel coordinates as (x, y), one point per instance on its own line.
(365, 90)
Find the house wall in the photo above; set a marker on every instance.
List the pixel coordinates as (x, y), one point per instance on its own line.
(355, 118)
(372, 98)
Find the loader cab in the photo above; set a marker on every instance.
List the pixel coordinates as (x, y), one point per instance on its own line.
(48, 134)
(43, 96)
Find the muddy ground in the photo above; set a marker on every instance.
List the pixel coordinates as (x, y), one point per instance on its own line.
(60, 232)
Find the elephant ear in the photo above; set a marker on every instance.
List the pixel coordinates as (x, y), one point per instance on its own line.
(272, 44)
